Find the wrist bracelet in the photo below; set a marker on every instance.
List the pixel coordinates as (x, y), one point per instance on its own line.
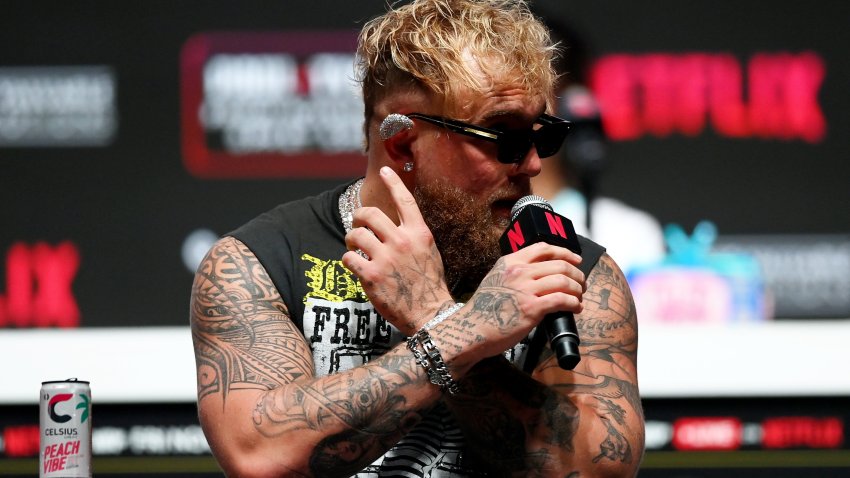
(441, 316)
(429, 356)
(439, 366)
(423, 360)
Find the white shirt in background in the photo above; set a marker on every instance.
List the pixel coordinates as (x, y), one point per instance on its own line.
(631, 236)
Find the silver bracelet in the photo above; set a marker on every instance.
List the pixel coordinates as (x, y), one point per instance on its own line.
(441, 371)
(442, 316)
(429, 356)
(423, 360)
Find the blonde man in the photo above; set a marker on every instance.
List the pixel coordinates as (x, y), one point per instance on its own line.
(328, 334)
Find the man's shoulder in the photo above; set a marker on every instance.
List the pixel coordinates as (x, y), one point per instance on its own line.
(591, 252)
(296, 214)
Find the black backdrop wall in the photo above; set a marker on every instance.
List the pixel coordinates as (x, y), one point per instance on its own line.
(129, 203)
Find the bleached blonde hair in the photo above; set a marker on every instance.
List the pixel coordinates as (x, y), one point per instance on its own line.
(427, 44)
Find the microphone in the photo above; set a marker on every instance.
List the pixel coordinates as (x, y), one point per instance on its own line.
(532, 221)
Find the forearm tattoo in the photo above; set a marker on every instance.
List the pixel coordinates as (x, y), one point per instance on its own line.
(366, 404)
(492, 304)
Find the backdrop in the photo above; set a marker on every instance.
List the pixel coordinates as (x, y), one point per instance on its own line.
(127, 126)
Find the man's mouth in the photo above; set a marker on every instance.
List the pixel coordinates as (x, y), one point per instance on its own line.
(502, 208)
(502, 204)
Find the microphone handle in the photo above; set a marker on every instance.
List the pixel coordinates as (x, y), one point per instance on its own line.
(563, 338)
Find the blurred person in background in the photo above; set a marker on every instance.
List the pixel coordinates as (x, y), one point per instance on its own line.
(631, 236)
(376, 330)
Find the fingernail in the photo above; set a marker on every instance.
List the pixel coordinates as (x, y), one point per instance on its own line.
(385, 170)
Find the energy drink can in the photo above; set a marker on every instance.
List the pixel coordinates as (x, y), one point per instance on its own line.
(65, 426)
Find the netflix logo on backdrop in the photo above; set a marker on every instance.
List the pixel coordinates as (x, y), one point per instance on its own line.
(729, 433)
(39, 280)
(271, 105)
(773, 96)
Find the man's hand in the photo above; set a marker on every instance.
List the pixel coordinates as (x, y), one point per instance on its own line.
(403, 275)
(512, 299)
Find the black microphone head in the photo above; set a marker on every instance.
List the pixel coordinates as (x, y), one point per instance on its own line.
(529, 200)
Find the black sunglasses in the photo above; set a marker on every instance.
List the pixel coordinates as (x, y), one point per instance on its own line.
(513, 144)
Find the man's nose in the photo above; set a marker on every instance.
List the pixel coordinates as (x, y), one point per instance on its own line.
(531, 164)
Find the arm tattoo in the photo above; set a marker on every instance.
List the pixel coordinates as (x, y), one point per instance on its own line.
(244, 339)
(243, 336)
(608, 329)
(501, 409)
(350, 398)
(365, 403)
(498, 400)
(492, 304)
(609, 324)
(615, 447)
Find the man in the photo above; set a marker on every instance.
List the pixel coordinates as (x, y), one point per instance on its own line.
(312, 365)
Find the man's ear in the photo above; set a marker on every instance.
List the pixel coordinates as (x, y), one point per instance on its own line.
(399, 147)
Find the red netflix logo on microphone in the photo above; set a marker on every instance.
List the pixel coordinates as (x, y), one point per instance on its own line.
(516, 238)
(38, 286)
(536, 224)
(660, 94)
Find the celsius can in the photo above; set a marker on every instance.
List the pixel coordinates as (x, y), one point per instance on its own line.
(65, 426)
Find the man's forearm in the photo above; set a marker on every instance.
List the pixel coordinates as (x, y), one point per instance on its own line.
(363, 412)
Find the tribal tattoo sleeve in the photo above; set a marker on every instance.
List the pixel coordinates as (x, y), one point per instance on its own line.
(244, 340)
(240, 326)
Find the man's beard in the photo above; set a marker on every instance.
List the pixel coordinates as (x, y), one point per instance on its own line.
(465, 231)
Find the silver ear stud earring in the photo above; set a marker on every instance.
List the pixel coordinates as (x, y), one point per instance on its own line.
(408, 167)
(394, 124)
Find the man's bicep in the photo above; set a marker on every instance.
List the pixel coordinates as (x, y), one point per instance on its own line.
(241, 329)
(607, 328)
(608, 325)
(605, 380)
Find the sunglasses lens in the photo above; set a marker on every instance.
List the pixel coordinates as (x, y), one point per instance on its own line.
(513, 147)
(549, 139)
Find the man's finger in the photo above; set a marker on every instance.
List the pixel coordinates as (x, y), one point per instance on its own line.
(405, 204)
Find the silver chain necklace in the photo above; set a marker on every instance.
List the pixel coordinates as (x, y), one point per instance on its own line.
(349, 201)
